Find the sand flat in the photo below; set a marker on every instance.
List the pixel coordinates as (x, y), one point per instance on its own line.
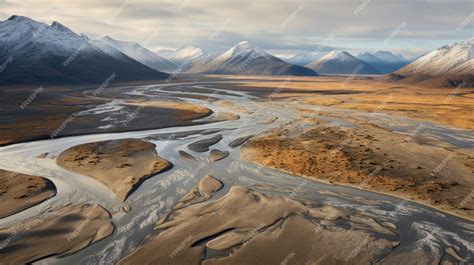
(62, 232)
(239, 141)
(19, 192)
(202, 146)
(122, 165)
(216, 155)
(202, 192)
(192, 111)
(187, 155)
(247, 227)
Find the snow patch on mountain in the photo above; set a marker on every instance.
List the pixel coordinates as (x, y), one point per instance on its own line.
(54, 54)
(141, 54)
(18, 33)
(341, 62)
(189, 53)
(247, 58)
(444, 60)
(301, 59)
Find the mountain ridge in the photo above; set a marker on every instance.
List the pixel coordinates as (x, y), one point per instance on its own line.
(54, 54)
(383, 61)
(449, 65)
(136, 51)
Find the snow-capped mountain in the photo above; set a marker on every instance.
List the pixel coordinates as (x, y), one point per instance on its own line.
(191, 56)
(466, 68)
(54, 54)
(341, 62)
(141, 54)
(189, 53)
(448, 65)
(247, 59)
(301, 59)
(369, 58)
(18, 33)
(167, 54)
(383, 61)
(442, 61)
(387, 56)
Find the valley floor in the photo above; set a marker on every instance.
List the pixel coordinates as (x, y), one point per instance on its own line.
(227, 168)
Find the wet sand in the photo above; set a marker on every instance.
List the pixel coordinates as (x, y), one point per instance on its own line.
(266, 230)
(19, 192)
(188, 111)
(187, 155)
(239, 141)
(202, 192)
(254, 214)
(61, 233)
(122, 165)
(202, 146)
(216, 155)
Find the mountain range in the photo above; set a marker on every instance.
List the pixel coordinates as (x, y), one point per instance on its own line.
(380, 62)
(247, 59)
(37, 53)
(341, 62)
(302, 59)
(383, 61)
(32, 52)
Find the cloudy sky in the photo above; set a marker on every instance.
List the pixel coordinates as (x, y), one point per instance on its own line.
(283, 27)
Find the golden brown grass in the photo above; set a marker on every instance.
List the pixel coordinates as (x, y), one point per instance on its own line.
(448, 106)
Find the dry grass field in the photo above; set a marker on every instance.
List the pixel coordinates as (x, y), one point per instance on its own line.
(448, 106)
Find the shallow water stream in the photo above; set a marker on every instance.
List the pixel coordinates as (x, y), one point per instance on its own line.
(419, 226)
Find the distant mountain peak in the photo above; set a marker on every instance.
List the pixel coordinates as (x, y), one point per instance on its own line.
(340, 55)
(368, 57)
(244, 46)
(241, 49)
(85, 37)
(20, 18)
(140, 53)
(106, 37)
(365, 53)
(301, 59)
(58, 26)
(188, 53)
(190, 47)
(341, 62)
(248, 59)
(383, 61)
(244, 43)
(336, 52)
(383, 52)
(389, 56)
(109, 39)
